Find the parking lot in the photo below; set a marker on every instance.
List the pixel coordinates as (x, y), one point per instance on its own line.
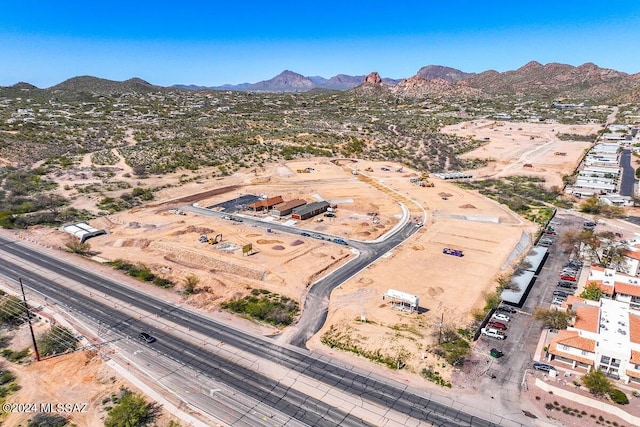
(522, 331)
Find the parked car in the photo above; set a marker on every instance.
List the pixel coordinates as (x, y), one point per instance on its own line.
(567, 285)
(558, 300)
(496, 353)
(543, 367)
(305, 234)
(501, 317)
(589, 224)
(506, 309)
(545, 242)
(497, 325)
(568, 278)
(551, 232)
(570, 272)
(146, 337)
(330, 215)
(454, 252)
(562, 293)
(493, 333)
(340, 242)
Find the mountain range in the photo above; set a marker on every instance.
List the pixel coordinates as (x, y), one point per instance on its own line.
(554, 79)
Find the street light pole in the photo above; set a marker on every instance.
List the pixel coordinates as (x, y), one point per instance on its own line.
(26, 308)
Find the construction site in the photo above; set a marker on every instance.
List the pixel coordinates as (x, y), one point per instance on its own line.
(349, 200)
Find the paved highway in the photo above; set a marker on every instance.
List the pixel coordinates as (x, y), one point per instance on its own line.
(364, 387)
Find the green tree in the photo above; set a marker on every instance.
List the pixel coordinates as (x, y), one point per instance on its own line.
(131, 411)
(591, 205)
(570, 240)
(11, 310)
(553, 318)
(190, 284)
(57, 340)
(592, 292)
(597, 382)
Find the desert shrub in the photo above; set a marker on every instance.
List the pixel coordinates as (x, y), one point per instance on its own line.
(265, 306)
(131, 410)
(434, 376)
(57, 340)
(47, 420)
(618, 396)
(15, 356)
(140, 272)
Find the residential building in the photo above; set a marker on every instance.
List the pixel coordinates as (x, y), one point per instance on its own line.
(605, 335)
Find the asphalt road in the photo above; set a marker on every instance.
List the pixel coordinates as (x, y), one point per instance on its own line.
(316, 303)
(628, 179)
(228, 371)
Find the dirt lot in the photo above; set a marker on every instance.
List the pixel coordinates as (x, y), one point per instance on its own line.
(449, 287)
(77, 378)
(512, 145)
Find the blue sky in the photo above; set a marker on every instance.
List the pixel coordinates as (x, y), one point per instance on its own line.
(213, 42)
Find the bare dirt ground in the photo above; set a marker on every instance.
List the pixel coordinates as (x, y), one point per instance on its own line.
(512, 145)
(449, 288)
(76, 378)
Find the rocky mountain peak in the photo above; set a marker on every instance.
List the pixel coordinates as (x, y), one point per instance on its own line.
(432, 72)
(373, 78)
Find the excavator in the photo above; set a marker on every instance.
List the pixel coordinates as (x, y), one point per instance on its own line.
(216, 240)
(424, 180)
(211, 240)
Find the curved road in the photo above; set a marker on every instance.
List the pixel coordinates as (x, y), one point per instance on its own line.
(310, 411)
(316, 303)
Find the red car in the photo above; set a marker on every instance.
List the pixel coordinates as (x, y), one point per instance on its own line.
(569, 278)
(497, 325)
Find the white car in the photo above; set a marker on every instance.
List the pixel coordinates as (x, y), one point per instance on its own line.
(501, 317)
(558, 301)
(493, 333)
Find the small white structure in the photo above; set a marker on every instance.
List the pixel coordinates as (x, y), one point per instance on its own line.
(83, 231)
(402, 300)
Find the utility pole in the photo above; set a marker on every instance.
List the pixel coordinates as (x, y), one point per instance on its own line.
(26, 308)
(440, 334)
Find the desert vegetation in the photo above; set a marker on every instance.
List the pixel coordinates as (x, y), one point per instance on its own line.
(265, 306)
(46, 134)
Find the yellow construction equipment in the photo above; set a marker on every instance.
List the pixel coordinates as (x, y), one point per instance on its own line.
(216, 240)
(302, 171)
(369, 169)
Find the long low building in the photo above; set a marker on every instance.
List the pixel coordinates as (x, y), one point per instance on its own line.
(265, 203)
(83, 231)
(285, 208)
(310, 210)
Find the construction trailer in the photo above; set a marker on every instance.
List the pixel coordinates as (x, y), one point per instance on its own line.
(402, 300)
(285, 208)
(310, 210)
